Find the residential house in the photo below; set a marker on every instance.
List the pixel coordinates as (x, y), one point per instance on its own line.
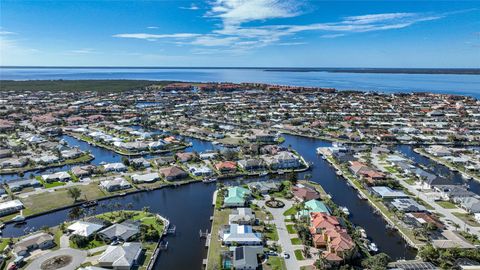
(125, 231)
(264, 187)
(242, 235)
(33, 242)
(387, 193)
(242, 216)
(115, 167)
(303, 193)
(145, 178)
(115, 184)
(246, 257)
(58, 176)
(407, 205)
(124, 257)
(173, 173)
(200, 170)
(9, 207)
(226, 166)
(18, 185)
(185, 156)
(313, 206)
(83, 228)
(252, 164)
(236, 197)
(470, 204)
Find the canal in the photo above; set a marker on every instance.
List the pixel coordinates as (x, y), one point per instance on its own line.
(189, 207)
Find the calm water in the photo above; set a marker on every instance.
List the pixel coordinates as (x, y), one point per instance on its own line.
(189, 208)
(452, 84)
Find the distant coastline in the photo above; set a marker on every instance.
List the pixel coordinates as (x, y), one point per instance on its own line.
(452, 71)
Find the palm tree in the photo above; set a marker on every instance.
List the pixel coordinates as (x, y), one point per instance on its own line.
(75, 193)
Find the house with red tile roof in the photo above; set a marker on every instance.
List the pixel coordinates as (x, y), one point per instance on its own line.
(173, 173)
(327, 233)
(226, 166)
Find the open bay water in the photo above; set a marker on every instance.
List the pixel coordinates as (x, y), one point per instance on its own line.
(380, 82)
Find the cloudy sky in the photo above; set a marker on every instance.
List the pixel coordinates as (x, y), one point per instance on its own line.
(274, 33)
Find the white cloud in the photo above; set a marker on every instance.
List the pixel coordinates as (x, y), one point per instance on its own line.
(191, 7)
(83, 51)
(152, 27)
(233, 34)
(155, 36)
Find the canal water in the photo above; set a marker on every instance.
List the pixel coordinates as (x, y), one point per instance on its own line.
(439, 169)
(189, 207)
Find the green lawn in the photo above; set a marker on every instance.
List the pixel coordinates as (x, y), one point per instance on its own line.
(291, 228)
(45, 201)
(91, 244)
(447, 204)
(291, 211)
(275, 263)
(272, 234)
(299, 254)
(469, 219)
(53, 184)
(296, 241)
(220, 218)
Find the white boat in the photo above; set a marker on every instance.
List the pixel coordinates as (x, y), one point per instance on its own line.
(372, 247)
(345, 210)
(339, 173)
(263, 174)
(209, 180)
(319, 150)
(18, 218)
(363, 233)
(215, 142)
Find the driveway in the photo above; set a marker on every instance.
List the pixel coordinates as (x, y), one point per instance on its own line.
(283, 235)
(78, 257)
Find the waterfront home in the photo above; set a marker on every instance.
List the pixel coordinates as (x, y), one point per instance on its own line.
(185, 156)
(5, 153)
(124, 257)
(419, 219)
(10, 207)
(18, 185)
(157, 145)
(46, 159)
(236, 197)
(407, 205)
(84, 228)
(470, 204)
(140, 163)
(303, 193)
(83, 171)
(208, 155)
(124, 231)
(33, 242)
(251, 164)
(246, 257)
(450, 192)
(145, 178)
(328, 234)
(115, 167)
(242, 216)
(226, 166)
(387, 193)
(13, 162)
(115, 184)
(283, 160)
(262, 136)
(71, 153)
(264, 187)
(58, 176)
(438, 150)
(164, 160)
(200, 170)
(242, 235)
(313, 206)
(173, 173)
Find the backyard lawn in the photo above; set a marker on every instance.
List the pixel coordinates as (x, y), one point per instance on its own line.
(220, 218)
(45, 201)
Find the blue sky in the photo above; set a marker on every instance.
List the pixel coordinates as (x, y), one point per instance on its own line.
(273, 33)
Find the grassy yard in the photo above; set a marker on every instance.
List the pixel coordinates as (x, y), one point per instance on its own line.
(291, 211)
(91, 244)
(275, 263)
(299, 255)
(220, 218)
(272, 234)
(447, 204)
(296, 241)
(469, 219)
(45, 201)
(291, 228)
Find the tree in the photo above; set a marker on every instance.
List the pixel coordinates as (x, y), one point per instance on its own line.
(376, 262)
(322, 263)
(75, 193)
(75, 212)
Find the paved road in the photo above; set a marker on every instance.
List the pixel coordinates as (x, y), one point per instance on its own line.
(447, 213)
(78, 257)
(284, 236)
